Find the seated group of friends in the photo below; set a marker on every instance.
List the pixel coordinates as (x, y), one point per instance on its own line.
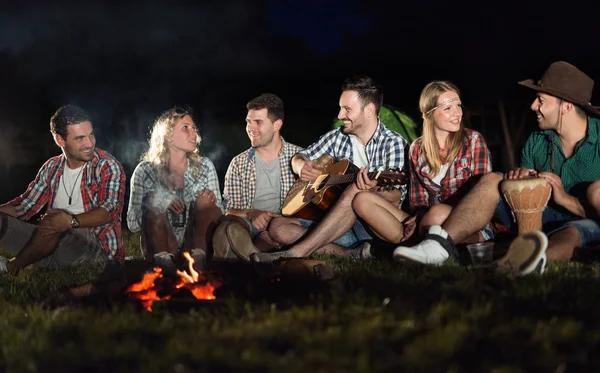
(175, 198)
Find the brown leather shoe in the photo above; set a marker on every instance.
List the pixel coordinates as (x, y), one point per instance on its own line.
(221, 248)
(240, 241)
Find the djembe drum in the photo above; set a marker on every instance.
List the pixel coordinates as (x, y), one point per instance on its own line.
(527, 199)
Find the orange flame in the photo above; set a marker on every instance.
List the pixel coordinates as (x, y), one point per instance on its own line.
(147, 290)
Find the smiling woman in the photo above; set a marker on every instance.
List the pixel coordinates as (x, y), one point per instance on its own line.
(445, 157)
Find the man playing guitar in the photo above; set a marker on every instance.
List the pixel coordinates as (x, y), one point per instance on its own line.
(368, 144)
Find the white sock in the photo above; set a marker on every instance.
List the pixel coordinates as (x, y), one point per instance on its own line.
(438, 230)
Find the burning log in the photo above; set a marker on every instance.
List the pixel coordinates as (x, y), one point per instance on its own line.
(141, 282)
(154, 286)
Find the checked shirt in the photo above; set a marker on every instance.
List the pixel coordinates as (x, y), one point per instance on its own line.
(145, 180)
(102, 185)
(386, 150)
(240, 179)
(472, 159)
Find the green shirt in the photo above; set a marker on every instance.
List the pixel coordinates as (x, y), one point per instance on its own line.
(576, 172)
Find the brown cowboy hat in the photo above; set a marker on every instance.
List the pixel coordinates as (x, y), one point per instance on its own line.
(565, 81)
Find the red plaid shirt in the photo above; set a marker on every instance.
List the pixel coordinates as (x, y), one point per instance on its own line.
(472, 159)
(102, 185)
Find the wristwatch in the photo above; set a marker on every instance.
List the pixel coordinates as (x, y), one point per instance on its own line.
(74, 222)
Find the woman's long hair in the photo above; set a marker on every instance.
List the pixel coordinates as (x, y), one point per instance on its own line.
(158, 152)
(428, 101)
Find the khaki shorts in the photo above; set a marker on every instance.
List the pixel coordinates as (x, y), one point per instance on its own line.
(75, 246)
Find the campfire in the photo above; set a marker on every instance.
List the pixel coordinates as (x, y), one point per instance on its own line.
(154, 286)
(180, 291)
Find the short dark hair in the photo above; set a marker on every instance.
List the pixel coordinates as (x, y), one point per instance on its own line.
(67, 115)
(368, 90)
(268, 101)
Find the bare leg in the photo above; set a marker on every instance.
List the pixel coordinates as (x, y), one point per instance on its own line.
(38, 247)
(562, 244)
(338, 221)
(384, 219)
(157, 233)
(206, 217)
(264, 243)
(475, 210)
(593, 197)
(436, 215)
(287, 231)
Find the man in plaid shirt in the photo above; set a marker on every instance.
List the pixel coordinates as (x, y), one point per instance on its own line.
(82, 190)
(256, 183)
(368, 144)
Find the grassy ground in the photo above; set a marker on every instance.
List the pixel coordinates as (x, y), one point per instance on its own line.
(375, 316)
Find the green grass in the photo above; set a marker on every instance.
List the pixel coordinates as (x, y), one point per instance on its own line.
(375, 316)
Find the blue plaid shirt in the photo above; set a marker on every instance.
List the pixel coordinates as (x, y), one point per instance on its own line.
(386, 150)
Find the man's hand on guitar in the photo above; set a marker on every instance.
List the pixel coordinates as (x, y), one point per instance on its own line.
(261, 219)
(310, 171)
(362, 180)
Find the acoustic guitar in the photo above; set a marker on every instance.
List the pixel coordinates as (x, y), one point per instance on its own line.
(311, 200)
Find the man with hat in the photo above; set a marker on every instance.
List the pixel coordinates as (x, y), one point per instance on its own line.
(565, 152)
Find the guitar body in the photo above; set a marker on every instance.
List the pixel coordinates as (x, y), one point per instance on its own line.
(312, 200)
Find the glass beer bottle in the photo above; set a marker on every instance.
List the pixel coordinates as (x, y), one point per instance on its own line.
(178, 220)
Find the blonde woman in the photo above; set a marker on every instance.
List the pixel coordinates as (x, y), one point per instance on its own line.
(441, 162)
(175, 198)
(444, 158)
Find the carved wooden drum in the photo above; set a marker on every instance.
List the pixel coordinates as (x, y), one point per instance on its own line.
(527, 199)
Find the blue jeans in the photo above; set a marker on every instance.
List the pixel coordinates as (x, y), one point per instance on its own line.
(356, 234)
(553, 221)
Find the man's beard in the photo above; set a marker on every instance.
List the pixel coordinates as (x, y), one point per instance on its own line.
(262, 141)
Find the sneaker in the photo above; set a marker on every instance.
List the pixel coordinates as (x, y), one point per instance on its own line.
(269, 258)
(435, 249)
(526, 255)
(3, 264)
(361, 251)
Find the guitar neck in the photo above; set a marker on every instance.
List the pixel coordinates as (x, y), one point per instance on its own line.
(347, 178)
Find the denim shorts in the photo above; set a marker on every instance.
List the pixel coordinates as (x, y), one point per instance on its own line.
(553, 221)
(253, 231)
(358, 233)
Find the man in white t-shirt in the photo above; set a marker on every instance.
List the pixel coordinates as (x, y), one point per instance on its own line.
(82, 191)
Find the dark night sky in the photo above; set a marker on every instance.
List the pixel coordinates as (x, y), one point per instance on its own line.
(127, 63)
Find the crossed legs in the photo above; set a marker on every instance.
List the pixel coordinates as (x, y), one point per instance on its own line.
(338, 221)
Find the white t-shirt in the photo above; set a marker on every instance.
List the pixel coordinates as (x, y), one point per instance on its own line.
(359, 152)
(437, 179)
(70, 185)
